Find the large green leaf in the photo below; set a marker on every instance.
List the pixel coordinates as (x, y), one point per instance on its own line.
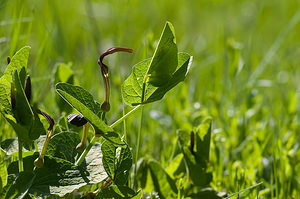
(195, 148)
(163, 183)
(132, 89)
(59, 176)
(61, 145)
(117, 162)
(19, 187)
(18, 62)
(83, 102)
(117, 192)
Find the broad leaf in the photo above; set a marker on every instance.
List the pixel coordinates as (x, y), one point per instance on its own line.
(117, 162)
(163, 183)
(19, 187)
(176, 168)
(132, 89)
(63, 145)
(84, 103)
(117, 192)
(195, 148)
(18, 62)
(59, 176)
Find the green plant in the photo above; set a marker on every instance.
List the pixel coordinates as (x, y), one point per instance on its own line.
(65, 170)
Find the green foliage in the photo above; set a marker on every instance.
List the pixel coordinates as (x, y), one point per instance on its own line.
(59, 176)
(195, 147)
(118, 192)
(84, 102)
(152, 78)
(19, 113)
(117, 162)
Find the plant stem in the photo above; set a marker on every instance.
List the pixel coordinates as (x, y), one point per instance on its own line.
(88, 148)
(138, 147)
(125, 116)
(20, 155)
(85, 152)
(36, 146)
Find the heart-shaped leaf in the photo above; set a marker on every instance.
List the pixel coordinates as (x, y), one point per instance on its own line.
(59, 176)
(83, 102)
(133, 90)
(117, 162)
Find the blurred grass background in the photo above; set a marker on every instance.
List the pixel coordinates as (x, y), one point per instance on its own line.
(245, 75)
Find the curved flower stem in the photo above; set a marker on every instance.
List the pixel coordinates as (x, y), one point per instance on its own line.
(20, 143)
(105, 106)
(85, 152)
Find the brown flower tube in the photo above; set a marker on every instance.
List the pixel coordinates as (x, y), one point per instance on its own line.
(39, 162)
(105, 106)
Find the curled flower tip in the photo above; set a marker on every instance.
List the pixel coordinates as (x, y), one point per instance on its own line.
(105, 106)
(77, 119)
(48, 118)
(8, 60)
(28, 88)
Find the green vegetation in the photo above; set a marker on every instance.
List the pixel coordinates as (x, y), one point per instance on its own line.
(154, 125)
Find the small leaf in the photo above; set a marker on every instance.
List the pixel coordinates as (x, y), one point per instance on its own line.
(132, 89)
(164, 60)
(84, 103)
(163, 183)
(117, 192)
(117, 165)
(197, 160)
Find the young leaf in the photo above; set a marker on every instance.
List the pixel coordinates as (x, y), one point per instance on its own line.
(164, 60)
(132, 89)
(24, 114)
(197, 155)
(84, 103)
(18, 62)
(117, 165)
(163, 183)
(117, 192)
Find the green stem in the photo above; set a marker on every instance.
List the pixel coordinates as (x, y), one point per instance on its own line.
(125, 116)
(85, 152)
(20, 155)
(88, 148)
(138, 147)
(124, 122)
(36, 146)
